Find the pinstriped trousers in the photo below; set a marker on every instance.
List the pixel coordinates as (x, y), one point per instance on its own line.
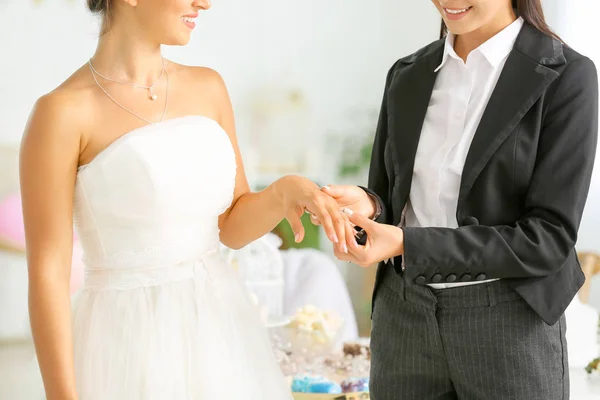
(480, 342)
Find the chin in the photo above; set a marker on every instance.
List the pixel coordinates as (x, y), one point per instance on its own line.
(460, 28)
(177, 41)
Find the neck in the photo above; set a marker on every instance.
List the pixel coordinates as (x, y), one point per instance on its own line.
(127, 55)
(466, 43)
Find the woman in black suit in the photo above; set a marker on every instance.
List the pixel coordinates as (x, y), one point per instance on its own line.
(480, 170)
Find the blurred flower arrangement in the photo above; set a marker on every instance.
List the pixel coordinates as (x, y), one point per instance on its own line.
(350, 145)
(594, 365)
(307, 339)
(307, 355)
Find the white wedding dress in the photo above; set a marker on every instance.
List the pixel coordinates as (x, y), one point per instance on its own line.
(161, 316)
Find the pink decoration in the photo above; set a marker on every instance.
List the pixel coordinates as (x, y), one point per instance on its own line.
(11, 222)
(12, 230)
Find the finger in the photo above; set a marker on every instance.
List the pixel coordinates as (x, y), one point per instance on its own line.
(318, 208)
(350, 233)
(349, 257)
(314, 219)
(360, 255)
(297, 227)
(357, 232)
(340, 255)
(339, 224)
(359, 220)
(335, 191)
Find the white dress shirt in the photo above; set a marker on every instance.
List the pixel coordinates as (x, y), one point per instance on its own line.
(459, 98)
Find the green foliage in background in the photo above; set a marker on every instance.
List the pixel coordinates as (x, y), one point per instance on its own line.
(311, 237)
(353, 162)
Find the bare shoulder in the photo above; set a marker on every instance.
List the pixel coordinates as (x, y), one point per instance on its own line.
(206, 75)
(58, 118)
(62, 112)
(197, 74)
(206, 89)
(205, 79)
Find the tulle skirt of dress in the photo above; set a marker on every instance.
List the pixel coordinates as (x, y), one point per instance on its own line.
(194, 336)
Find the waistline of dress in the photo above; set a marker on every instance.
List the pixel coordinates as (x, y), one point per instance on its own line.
(100, 278)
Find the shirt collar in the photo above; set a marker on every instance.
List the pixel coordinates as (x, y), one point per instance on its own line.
(494, 49)
(448, 51)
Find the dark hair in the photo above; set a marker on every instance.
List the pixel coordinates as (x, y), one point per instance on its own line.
(104, 8)
(98, 6)
(530, 10)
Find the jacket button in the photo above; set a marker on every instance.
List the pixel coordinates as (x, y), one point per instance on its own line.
(420, 280)
(481, 277)
(466, 278)
(470, 221)
(451, 278)
(436, 278)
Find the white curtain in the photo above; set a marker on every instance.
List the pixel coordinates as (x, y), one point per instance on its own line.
(577, 22)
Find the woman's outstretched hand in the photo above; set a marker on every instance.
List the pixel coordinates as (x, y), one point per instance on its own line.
(299, 195)
(352, 197)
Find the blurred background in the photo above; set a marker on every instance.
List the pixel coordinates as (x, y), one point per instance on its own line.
(306, 80)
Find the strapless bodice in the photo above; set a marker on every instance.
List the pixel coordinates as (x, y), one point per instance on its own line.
(153, 196)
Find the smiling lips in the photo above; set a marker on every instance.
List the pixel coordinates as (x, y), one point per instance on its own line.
(455, 14)
(188, 20)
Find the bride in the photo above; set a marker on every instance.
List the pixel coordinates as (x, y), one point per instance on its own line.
(141, 153)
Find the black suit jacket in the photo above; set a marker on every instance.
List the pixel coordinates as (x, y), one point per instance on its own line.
(525, 180)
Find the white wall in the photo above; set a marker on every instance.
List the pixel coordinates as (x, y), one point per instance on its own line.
(576, 21)
(336, 51)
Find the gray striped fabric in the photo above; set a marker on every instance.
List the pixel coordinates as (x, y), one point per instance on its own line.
(480, 342)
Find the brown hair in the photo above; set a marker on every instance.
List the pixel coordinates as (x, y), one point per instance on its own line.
(98, 6)
(530, 10)
(102, 7)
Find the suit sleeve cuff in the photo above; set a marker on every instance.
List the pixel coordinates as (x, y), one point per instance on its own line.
(378, 204)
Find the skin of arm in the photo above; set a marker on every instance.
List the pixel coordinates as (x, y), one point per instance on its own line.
(48, 168)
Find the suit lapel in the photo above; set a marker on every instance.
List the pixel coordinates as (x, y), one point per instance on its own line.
(409, 95)
(521, 83)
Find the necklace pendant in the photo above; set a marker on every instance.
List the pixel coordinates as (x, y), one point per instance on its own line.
(151, 94)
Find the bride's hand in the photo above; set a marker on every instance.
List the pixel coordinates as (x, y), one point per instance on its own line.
(349, 196)
(299, 195)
